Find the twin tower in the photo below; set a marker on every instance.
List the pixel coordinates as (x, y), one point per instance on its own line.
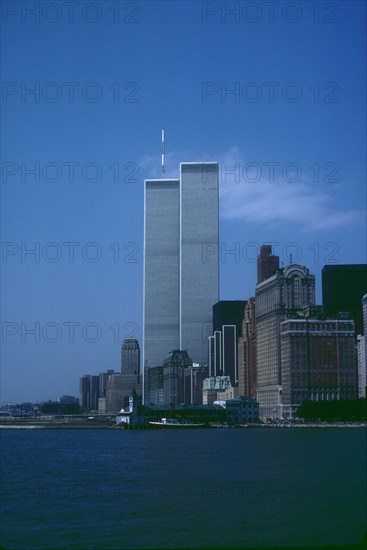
(181, 267)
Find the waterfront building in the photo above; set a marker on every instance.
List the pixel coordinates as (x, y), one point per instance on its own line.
(343, 287)
(317, 361)
(246, 355)
(213, 385)
(277, 298)
(181, 268)
(242, 410)
(141, 415)
(362, 366)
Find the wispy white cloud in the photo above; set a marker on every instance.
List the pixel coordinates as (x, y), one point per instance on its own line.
(304, 203)
(280, 202)
(151, 166)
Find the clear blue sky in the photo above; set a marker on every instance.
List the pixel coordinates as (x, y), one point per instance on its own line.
(106, 83)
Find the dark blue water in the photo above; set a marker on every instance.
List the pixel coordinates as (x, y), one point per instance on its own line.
(241, 488)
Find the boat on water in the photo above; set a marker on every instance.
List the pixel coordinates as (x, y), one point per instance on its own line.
(173, 423)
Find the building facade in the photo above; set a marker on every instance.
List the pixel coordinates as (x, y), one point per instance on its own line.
(229, 352)
(242, 410)
(317, 362)
(277, 298)
(199, 265)
(337, 296)
(267, 264)
(194, 377)
(130, 369)
(246, 355)
(174, 377)
(181, 267)
(212, 386)
(154, 384)
(361, 365)
(161, 314)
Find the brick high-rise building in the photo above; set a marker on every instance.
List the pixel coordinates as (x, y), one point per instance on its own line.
(317, 361)
(288, 289)
(267, 264)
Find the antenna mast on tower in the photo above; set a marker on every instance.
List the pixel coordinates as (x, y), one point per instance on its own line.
(162, 151)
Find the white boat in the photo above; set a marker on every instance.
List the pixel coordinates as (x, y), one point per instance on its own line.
(173, 423)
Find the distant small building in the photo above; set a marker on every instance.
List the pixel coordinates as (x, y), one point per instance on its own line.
(68, 400)
(102, 405)
(213, 385)
(194, 376)
(242, 410)
(230, 393)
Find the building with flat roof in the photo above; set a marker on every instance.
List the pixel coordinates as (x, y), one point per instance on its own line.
(267, 264)
(343, 287)
(246, 355)
(317, 362)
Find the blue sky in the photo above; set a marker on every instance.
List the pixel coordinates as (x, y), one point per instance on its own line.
(274, 94)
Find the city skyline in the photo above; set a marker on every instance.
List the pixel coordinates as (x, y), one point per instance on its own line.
(277, 103)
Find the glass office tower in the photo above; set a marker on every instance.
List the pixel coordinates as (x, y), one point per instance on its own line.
(181, 268)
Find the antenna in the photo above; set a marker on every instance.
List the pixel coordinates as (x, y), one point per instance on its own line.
(291, 259)
(162, 151)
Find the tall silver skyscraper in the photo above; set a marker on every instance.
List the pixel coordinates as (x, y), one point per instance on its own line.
(181, 268)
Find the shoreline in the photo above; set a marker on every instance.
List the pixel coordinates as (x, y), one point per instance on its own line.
(107, 425)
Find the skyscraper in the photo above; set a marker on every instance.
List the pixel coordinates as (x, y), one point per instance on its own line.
(247, 352)
(229, 351)
(343, 287)
(130, 356)
(130, 369)
(277, 298)
(181, 268)
(199, 266)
